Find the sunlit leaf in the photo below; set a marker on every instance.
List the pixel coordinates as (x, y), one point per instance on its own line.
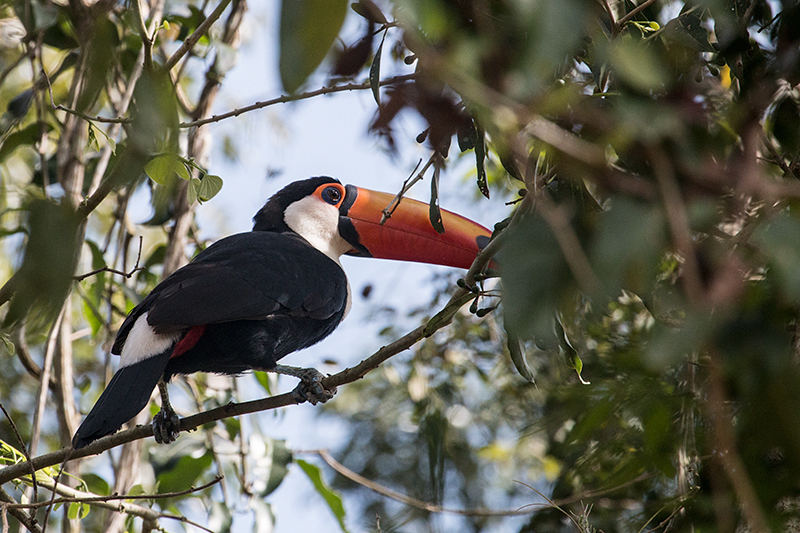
(209, 186)
(77, 510)
(26, 136)
(162, 167)
(191, 192)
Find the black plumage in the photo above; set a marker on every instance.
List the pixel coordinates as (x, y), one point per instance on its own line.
(244, 302)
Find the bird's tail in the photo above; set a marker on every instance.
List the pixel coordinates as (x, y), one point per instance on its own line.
(126, 395)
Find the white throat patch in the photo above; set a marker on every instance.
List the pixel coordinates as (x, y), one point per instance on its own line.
(318, 223)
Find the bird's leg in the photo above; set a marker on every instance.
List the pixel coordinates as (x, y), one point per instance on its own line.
(166, 424)
(310, 388)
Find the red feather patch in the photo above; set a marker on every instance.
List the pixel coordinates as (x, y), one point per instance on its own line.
(188, 341)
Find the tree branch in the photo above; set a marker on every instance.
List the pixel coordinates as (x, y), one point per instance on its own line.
(347, 375)
(633, 12)
(294, 98)
(24, 518)
(201, 30)
(408, 500)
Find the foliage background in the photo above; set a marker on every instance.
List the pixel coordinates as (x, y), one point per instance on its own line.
(649, 271)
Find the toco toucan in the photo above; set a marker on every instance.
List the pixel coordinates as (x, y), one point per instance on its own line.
(249, 299)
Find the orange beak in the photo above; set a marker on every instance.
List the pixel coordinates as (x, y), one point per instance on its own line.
(408, 234)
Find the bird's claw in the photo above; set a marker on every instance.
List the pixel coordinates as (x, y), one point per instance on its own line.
(310, 388)
(166, 426)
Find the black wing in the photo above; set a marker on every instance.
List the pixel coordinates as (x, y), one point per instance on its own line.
(248, 276)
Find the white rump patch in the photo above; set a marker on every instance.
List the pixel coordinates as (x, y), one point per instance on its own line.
(144, 342)
(318, 223)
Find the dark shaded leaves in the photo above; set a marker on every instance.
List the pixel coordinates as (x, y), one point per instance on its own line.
(375, 72)
(434, 211)
(370, 11)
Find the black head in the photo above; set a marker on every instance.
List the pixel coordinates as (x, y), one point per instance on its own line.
(270, 217)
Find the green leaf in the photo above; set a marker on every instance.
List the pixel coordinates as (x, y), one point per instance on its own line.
(209, 186)
(279, 458)
(8, 343)
(778, 241)
(77, 510)
(434, 212)
(136, 490)
(164, 166)
(637, 65)
(307, 32)
(51, 255)
(480, 157)
(28, 135)
(331, 497)
(91, 141)
(263, 379)
(689, 31)
(184, 473)
(375, 72)
(194, 187)
(571, 356)
(517, 353)
(103, 44)
(96, 484)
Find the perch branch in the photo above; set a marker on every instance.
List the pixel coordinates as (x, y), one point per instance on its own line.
(193, 422)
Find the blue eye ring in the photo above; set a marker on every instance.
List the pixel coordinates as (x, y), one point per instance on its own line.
(332, 195)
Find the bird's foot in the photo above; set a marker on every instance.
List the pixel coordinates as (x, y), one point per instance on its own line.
(310, 388)
(166, 426)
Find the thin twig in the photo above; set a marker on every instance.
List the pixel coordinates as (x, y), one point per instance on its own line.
(23, 448)
(389, 210)
(633, 12)
(24, 354)
(294, 98)
(115, 497)
(201, 30)
(120, 506)
(128, 275)
(24, 518)
(84, 116)
(144, 34)
(403, 498)
(611, 18)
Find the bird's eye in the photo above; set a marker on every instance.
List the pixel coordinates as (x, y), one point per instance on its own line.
(332, 195)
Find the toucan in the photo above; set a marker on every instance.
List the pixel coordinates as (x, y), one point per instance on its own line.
(250, 299)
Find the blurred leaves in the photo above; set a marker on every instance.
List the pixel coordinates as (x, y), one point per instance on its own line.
(683, 230)
(51, 254)
(307, 31)
(331, 497)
